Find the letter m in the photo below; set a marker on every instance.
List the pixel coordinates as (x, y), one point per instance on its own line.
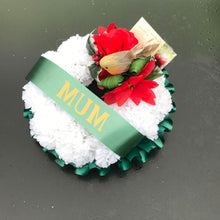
(67, 94)
(102, 119)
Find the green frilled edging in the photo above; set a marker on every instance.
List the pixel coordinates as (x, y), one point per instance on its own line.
(140, 152)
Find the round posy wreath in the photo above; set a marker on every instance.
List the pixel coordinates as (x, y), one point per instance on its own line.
(66, 139)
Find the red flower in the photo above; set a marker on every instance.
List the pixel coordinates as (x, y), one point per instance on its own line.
(114, 39)
(104, 74)
(136, 88)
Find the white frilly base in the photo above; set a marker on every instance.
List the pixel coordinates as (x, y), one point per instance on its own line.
(56, 130)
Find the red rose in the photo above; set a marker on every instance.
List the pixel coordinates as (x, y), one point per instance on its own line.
(114, 39)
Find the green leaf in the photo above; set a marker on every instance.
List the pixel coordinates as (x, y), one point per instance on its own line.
(154, 75)
(90, 47)
(94, 70)
(111, 82)
(138, 64)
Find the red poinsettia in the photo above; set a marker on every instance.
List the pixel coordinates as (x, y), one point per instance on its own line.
(114, 39)
(136, 88)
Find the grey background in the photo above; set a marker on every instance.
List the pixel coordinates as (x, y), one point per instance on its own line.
(179, 182)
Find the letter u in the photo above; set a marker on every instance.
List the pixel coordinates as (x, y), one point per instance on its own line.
(86, 107)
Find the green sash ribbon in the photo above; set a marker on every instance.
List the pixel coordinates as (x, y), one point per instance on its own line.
(84, 106)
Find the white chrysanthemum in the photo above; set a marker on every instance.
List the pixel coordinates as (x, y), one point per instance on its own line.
(56, 130)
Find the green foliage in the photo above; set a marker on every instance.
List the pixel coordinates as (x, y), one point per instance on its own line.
(138, 64)
(94, 70)
(154, 75)
(111, 82)
(90, 47)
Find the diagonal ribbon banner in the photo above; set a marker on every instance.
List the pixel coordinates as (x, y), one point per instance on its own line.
(89, 110)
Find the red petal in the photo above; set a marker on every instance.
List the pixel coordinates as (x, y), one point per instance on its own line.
(134, 80)
(140, 90)
(120, 88)
(149, 93)
(149, 100)
(149, 84)
(100, 87)
(111, 26)
(122, 96)
(119, 95)
(109, 98)
(114, 39)
(98, 44)
(129, 39)
(148, 68)
(143, 89)
(135, 99)
(117, 39)
(103, 74)
(112, 42)
(101, 30)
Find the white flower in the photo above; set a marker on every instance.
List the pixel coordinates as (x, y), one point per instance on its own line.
(54, 129)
